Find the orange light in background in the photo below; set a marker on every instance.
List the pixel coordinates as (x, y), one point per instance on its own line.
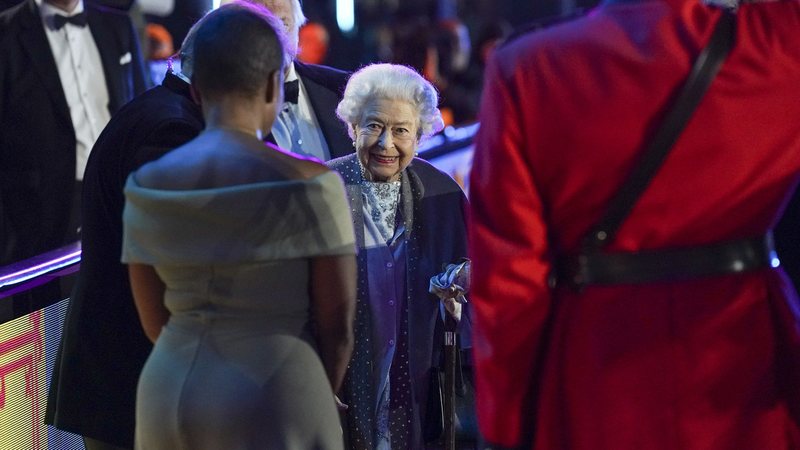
(159, 41)
(313, 44)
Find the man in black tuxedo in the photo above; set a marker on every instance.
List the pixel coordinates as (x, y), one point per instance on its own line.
(307, 122)
(65, 67)
(103, 348)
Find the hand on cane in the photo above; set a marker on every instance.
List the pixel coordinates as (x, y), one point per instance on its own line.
(451, 285)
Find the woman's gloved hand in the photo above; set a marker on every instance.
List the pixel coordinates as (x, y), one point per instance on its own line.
(451, 286)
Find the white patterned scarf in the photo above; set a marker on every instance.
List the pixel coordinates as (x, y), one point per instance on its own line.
(380, 202)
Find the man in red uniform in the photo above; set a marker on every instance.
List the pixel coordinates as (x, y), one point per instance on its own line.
(700, 363)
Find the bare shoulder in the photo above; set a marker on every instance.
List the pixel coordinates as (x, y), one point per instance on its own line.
(309, 168)
(295, 166)
(181, 168)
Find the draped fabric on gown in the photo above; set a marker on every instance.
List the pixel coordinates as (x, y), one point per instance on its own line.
(236, 366)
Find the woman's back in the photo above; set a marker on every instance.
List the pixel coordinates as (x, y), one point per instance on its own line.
(231, 234)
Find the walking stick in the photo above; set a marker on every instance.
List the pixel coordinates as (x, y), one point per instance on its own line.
(449, 391)
(452, 284)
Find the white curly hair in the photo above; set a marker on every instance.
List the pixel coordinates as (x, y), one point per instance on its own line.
(394, 82)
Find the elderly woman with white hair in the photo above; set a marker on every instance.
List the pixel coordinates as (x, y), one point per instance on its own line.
(409, 223)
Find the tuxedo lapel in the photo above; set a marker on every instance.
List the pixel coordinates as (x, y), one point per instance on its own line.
(34, 43)
(324, 101)
(110, 48)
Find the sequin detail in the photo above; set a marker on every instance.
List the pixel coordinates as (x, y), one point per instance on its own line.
(400, 382)
(380, 200)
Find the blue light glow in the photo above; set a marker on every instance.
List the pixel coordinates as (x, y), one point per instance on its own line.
(345, 15)
(774, 261)
(28, 273)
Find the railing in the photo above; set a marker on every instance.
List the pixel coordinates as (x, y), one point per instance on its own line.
(30, 273)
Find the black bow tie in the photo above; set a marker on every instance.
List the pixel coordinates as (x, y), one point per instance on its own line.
(78, 20)
(291, 89)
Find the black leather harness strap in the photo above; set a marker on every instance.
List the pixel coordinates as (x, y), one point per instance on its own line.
(670, 264)
(703, 72)
(594, 266)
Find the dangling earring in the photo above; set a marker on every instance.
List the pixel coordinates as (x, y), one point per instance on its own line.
(354, 144)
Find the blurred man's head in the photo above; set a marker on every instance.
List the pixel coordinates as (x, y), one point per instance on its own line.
(237, 50)
(291, 14)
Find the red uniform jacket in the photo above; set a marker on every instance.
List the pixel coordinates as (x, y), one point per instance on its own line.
(702, 364)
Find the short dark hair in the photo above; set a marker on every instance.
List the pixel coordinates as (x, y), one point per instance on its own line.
(236, 48)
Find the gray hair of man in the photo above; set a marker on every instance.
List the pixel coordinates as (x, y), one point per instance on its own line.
(392, 82)
(299, 17)
(299, 20)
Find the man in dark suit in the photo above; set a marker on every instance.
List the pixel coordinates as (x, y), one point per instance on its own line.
(103, 349)
(307, 122)
(324, 87)
(5, 4)
(65, 67)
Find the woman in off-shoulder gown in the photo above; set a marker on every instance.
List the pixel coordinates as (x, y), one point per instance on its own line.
(242, 266)
(237, 362)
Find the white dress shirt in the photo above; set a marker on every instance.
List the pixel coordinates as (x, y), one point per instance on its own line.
(82, 79)
(296, 128)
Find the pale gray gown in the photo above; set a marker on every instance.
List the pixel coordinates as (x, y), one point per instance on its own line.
(236, 366)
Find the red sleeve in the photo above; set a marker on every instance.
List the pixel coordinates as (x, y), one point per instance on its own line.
(508, 247)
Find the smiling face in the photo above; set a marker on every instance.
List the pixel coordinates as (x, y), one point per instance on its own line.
(386, 138)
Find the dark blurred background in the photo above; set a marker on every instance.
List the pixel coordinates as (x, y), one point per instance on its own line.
(446, 40)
